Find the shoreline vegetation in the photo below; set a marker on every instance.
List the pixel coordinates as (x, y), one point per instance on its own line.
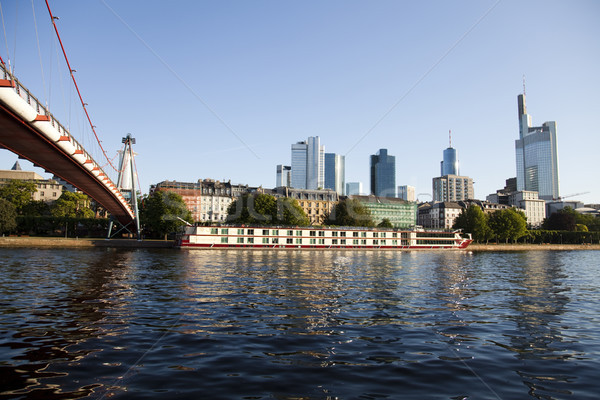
(58, 242)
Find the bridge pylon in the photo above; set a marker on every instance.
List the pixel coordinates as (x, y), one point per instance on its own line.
(126, 184)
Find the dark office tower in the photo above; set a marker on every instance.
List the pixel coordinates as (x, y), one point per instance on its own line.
(335, 172)
(383, 174)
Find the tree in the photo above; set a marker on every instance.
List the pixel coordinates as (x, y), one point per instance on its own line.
(72, 205)
(18, 192)
(385, 223)
(162, 213)
(350, 212)
(508, 224)
(562, 220)
(264, 209)
(474, 220)
(8, 216)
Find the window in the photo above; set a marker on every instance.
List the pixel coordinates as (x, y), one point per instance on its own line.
(322, 233)
(275, 240)
(250, 240)
(240, 231)
(224, 231)
(363, 234)
(395, 234)
(313, 241)
(250, 231)
(363, 241)
(382, 234)
(240, 240)
(289, 241)
(334, 241)
(42, 194)
(298, 233)
(342, 241)
(375, 242)
(298, 241)
(354, 234)
(225, 239)
(334, 234)
(343, 234)
(290, 233)
(265, 240)
(214, 231)
(355, 241)
(321, 241)
(313, 233)
(275, 232)
(265, 232)
(375, 234)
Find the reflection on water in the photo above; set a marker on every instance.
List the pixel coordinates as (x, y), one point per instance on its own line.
(298, 324)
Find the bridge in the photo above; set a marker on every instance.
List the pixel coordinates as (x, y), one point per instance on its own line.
(29, 129)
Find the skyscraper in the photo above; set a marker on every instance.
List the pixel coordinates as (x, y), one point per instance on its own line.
(308, 164)
(354, 188)
(335, 172)
(406, 192)
(449, 165)
(383, 174)
(537, 155)
(284, 176)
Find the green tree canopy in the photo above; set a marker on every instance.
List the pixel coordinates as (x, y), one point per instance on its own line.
(72, 205)
(8, 216)
(264, 209)
(562, 220)
(18, 192)
(162, 213)
(350, 212)
(385, 223)
(508, 224)
(474, 220)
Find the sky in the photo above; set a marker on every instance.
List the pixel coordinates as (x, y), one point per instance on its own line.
(221, 89)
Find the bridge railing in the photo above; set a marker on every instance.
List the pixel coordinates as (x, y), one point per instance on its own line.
(26, 95)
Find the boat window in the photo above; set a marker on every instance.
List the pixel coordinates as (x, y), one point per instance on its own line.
(343, 234)
(375, 234)
(275, 240)
(334, 241)
(265, 240)
(363, 234)
(395, 234)
(290, 233)
(240, 231)
(224, 231)
(313, 233)
(289, 241)
(224, 239)
(354, 234)
(342, 241)
(250, 231)
(322, 233)
(375, 242)
(321, 241)
(275, 232)
(298, 233)
(313, 241)
(334, 234)
(298, 241)
(265, 232)
(250, 240)
(240, 240)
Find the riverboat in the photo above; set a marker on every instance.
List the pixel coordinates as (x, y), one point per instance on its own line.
(240, 236)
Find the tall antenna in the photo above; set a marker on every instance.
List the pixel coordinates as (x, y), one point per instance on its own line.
(523, 85)
(450, 138)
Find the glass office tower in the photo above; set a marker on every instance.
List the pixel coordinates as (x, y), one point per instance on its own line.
(308, 164)
(335, 172)
(536, 156)
(383, 174)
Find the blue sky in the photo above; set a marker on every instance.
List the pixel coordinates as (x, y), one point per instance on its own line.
(221, 89)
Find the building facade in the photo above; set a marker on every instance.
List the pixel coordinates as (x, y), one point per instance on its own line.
(440, 215)
(284, 176)
(47, 190)
(383, 174)
(354, 188)
(335, 172)
(402, 214)
(533, 207)
(449, 164)
(407, 193)
(206, 199)
(317, 204)
(308, 164)
(536, 156)
(452, 188)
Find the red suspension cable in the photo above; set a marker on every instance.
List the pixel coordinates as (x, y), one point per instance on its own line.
(77, 87)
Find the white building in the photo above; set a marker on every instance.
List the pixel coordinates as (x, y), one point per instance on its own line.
(284, 176)
(533, 207)
(440, 215)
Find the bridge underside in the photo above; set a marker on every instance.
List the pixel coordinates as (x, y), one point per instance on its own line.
(19, 137)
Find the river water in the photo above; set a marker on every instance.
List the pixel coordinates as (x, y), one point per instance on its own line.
(156, 324)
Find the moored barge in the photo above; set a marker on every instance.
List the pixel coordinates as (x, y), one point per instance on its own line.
(240, 236)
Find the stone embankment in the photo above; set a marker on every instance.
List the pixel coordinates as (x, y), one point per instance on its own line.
(26, 241)
(531, 247)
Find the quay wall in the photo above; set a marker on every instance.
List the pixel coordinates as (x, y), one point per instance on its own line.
(26, 241)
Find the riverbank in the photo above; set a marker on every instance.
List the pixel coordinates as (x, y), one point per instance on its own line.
(531, 247)
(26, 241)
